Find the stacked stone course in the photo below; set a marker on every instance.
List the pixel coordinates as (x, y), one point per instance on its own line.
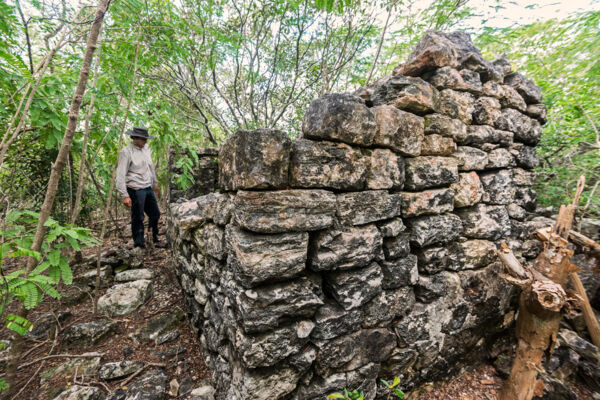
(365, 248)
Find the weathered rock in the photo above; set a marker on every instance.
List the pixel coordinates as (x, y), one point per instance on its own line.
(214, 239)
(119, 369)
(435, 201)
(363, 379)
(511, 99)
(77, 392)
(355, 350)
(399, 130)
(432, 287)
(480, 134)
(472, 254)
(445, 126)
(151, 386)
(499, 187)
(85, 367)
(134, 275)
(526, 198)
(159, 325)
(437, 145)
(437, 49)
(515, 211)
(345, 248)
(525, 156)
(166, 337)
(468, 190)
(522, 177)
(190, 214)
(257, 258)
(399, 363)
(359, 208)
(400, 272)
(400, 301)
(432, 260)
(492, 89)
(486, 110)
(262, 383)
(265, 308)
(269, 348)
(456, 105)
(469, 158)
(257, 159)
(396, 247)
(503, 64)
(526, 130)
(206, 392)
(434, 229)
(537, 111)
(391, 228)
(352, 289)
(125, 298)
(526, 88)
(45, 326)
(89, 277)
(485, 222)
(331, 321)
(285, 210)
(487, 70)
(449, 78)
(88, 334)
(406, 93)
(339, 117)
(327, 165)
(386, 170)
(428, 172)
(500, 158)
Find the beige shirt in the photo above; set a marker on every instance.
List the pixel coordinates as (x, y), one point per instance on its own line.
(135, 169)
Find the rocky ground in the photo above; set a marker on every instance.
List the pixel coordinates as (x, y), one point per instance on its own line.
(141, 347)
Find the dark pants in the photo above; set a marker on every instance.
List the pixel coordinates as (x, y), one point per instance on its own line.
(143, 200)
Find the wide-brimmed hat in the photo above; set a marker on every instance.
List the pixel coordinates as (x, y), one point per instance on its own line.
(139, 132)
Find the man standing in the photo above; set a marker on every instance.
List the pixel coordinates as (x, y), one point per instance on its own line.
(137, 185)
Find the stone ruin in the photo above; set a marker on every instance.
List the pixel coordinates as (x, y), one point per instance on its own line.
(365, 249)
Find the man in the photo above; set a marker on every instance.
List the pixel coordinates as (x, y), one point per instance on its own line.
(137, 185)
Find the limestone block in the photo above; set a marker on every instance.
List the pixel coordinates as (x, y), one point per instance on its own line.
(257, 159)
(434, 229)
(406, 93)
(257, 258)
(485, 222)
(391, 228)
(285, 210)
(435, 201)
(431, 287)
(437, 145)
(449, 78)
(526, 198)
(339, 117)
(530, 92)
(400, 301)
(486, 110)
(399, 130)
(400, 272)
(214, 237)
(456, 105)
(472, 254)
(480, 134)
(500, 158)
(469, 158)
(526, 130)
(396, 247)
(331, 321)
(510, 98)
(499, 187)
(492, 89)
(444, 125)
(522, 177)
(525, 156)
(486, 70)
(262, 383)
(345, 248)
(432, 260)
(359, 208)
(516, 212)
(354, 288)
(428, 172)
(386, 170)
(124, 298)
(327, 165)
(377, 313)
(468, 190)
(537, 111)
(269, 348)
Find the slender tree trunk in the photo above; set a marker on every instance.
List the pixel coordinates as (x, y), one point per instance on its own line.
(381, 39)
(112, 180)
(86, 134)
(55, 174)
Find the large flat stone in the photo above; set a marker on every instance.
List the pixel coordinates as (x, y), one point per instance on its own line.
(331, 321)
(339, 117)
(485, 222)
(354, 288)
(89, 334)
(434, 229)
(345, 248)
(435, 201)
(437, 145)
(456, 105)
(327, 165)
(285, 210)
(124, 298)
(386, 170)
(527, 130)
(257, 258)
(399, 130)
(439, 124)
(400, 272)
(470, 158)
(406, 93)
(499, 187)
(257, 159)
(359, 208)
(468, 190)
(429, 172)
(449, 78)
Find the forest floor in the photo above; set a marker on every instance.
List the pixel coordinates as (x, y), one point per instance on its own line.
(179, 358)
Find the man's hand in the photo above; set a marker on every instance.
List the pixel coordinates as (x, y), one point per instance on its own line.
(127, 201)
(156, 191)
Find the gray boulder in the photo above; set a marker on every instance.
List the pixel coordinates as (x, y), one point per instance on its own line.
(116, 370)
(406, 93)
(134, 275)
(398, 130)
(125, 298)
(526, 88)
(428, 172)
(78, 392)
(89, 334)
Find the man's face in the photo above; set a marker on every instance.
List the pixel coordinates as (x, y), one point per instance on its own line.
(139, 142)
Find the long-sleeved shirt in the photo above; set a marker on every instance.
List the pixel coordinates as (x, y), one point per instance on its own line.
(135, 169)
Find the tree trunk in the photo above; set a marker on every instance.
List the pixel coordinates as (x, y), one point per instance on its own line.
(542, 302)
(55, 174)
(112, 180)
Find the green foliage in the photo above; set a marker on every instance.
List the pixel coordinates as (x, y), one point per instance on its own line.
(392, 387)
(29, 288)
(356, 395)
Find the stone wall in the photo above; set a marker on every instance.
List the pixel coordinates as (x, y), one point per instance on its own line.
(365, 248)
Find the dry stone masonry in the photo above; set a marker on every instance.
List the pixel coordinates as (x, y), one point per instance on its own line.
(365, 249)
